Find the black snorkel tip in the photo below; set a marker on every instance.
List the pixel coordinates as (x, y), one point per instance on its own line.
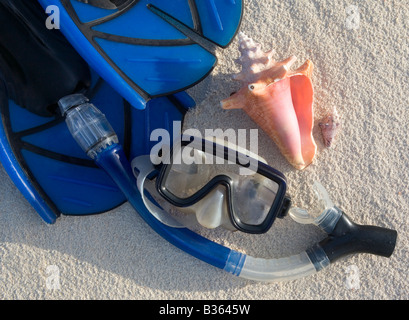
(348, 238)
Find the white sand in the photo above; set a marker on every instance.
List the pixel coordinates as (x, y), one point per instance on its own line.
(363, 73)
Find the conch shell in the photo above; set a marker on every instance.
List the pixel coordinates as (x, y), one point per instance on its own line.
(279, 100)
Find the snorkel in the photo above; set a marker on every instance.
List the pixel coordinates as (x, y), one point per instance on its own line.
(96, 137)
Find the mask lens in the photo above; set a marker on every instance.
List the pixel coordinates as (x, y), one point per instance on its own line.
(253, 197)
(191, 173)
(185, 179)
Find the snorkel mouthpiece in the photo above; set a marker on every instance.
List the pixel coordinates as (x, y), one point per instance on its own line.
(87, 124)
(344, 236)
(348, 238)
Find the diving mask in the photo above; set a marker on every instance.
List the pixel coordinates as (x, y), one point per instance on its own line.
(222, 186)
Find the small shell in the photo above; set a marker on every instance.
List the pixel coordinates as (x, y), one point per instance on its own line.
(329, 129)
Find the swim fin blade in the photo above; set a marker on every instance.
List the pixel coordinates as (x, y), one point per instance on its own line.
(144, 55)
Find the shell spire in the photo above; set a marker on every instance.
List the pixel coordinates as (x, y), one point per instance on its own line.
(253, 59)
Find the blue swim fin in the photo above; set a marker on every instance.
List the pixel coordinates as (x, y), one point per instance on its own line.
(36, 148)
(148, 48)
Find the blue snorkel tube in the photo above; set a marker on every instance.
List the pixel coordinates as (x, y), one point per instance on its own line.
(94, 134)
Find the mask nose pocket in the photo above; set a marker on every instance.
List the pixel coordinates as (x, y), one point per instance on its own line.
(211, 211)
